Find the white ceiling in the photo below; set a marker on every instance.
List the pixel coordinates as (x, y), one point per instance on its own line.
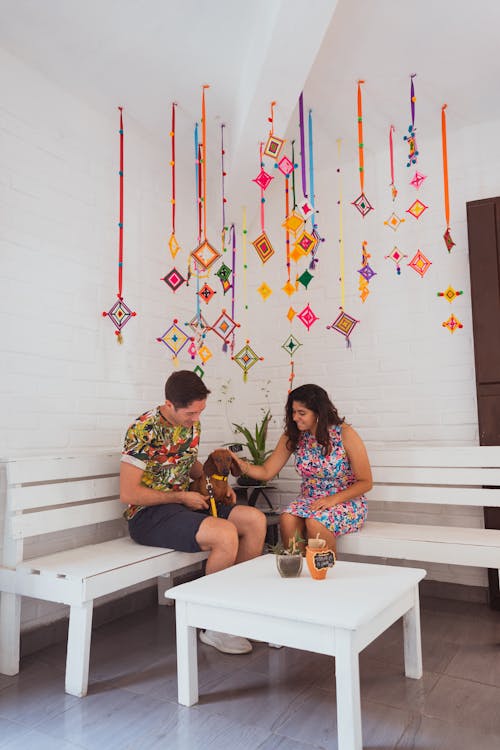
(143, 54)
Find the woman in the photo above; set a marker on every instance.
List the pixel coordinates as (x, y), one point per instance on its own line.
(332, 461)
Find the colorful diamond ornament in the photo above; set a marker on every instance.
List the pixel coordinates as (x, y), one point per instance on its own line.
(174, 279)
(307, 317)
(363, 205)
(120, 314)
(417, 208)
(396, 256)
(291, 345)
(224, 326)
(174, 338)
(452, 324)
(246, 358)
(420, 263)
(263, 179)
(205, 254)
(263, 247)
(450, 294)
(274, 146)
(393, 221)
(293, 222)
(344, 324)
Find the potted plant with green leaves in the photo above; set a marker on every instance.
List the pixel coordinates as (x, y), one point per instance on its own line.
(255, 442)
(289, 559)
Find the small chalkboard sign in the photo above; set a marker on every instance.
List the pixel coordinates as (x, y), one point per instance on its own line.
(324, 560)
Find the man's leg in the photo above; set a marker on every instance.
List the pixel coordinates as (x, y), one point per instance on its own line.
(219, 538)
(251, 525)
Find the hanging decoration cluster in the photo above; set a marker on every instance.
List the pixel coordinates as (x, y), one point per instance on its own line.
(120, 313)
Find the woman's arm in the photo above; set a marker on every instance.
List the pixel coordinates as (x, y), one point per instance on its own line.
(270, 467)
(360, 465)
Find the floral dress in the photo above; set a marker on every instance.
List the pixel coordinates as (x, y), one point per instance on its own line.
(326, 475)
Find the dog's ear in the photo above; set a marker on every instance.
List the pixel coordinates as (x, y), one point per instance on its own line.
(209, 466)
(235, 469)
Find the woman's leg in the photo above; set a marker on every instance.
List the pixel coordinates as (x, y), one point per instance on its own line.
(315, 528)
(289, 525)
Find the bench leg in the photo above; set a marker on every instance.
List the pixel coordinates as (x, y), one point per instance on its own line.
(412, 640)
(10, 628)
(165, 582)
(78, 652)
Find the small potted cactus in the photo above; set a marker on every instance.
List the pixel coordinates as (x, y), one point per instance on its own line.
(289, 559)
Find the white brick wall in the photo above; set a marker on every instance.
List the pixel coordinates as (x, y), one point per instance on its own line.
(66, 383)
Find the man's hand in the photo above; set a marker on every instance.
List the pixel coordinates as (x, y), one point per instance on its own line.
(195, 500)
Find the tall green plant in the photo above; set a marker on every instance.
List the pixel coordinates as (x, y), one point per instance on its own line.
(256, 441)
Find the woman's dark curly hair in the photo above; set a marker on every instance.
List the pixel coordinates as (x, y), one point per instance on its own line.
(316, 399)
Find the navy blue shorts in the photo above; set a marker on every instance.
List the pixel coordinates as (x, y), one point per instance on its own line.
(171, 525)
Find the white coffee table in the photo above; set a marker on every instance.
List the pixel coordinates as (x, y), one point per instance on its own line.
(338, 616)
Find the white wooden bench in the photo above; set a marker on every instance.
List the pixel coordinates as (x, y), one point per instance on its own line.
(454, 476)
(45, 495)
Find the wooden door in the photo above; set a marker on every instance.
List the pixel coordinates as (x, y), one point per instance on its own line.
(483, 223)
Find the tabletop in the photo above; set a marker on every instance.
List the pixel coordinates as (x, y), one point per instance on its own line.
(350, 595)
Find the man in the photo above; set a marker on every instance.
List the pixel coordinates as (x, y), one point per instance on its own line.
(160, 457)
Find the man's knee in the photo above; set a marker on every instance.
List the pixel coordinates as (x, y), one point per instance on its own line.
(217, 533)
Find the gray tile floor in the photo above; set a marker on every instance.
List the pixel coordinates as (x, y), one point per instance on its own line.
(270, 699)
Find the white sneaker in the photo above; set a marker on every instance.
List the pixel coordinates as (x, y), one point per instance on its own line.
(228, 644)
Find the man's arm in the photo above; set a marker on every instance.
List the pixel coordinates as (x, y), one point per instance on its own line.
(132, 492)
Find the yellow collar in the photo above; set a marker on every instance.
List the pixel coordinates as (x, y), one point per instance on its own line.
(219, 476)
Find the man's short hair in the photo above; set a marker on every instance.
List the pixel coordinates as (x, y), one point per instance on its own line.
(183, 387)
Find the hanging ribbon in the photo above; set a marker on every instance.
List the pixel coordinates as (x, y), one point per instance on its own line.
(293, 177)
(287, 231)
(447, 236)
(204, 158)
(120, 223)
(360, 140)
(262, 199)
(233, 287)
(302, 145)
(311, 168)
(223, 192)
(245, 265)
(271, 119)
(394, 191)
(341, 231)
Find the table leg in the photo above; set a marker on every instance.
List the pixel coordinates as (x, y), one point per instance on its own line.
(187, 658)
(348, 698)
(412, 639)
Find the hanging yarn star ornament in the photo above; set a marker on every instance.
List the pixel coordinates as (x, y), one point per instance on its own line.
(452, 324)
(305, 278)
(293, 223)
(446, 236)
(285, 166)
(205, 254)
(450, 294)
(174, 279)
(264, 290)
(306, 242)
(206, 293)
(263, 179)
(393, 221)
(263, 247)
(417, 179)
(361, 203)
(290, 345)
(291, 314)
(366, 272)
(297, 253)
(173, 245)
(246, 358)
(204, 354)
(420, 263)
(410, 138)
(175, 339)
(289, 288)
(307, 317)
(119, 313)
(224, 326)
(396, 256)
(416, 209)
(224, 272)
(344, 324)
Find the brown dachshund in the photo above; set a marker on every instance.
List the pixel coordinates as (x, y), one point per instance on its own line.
(217, 468)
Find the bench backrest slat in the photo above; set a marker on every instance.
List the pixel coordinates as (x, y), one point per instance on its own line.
(410, 493)
(43, 522)
(26, 470)
(27, 497)
(479, 456)
(438, 475)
